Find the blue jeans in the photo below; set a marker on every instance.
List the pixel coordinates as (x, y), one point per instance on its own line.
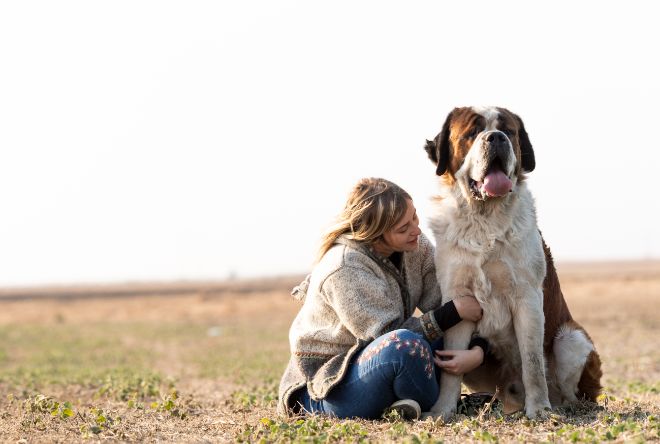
(397, 365)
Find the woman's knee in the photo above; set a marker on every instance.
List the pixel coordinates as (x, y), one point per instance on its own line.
(410, 342)
(415, 351)
(405, 334)
(404, 346)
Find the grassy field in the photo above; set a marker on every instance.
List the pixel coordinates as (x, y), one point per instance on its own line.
(201, 362)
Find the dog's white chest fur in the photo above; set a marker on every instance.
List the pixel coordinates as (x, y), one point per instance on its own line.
(484, 251)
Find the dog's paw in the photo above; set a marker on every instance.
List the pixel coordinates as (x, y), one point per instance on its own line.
(538, 411)
(445, 416)
(568, 397)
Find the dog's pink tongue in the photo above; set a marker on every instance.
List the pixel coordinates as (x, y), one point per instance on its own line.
(496, 183)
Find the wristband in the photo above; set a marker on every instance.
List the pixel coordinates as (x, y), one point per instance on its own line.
(447, 316)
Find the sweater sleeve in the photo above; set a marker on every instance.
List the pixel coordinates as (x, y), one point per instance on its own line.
(361, 302)
(425, 325)
(368, 309)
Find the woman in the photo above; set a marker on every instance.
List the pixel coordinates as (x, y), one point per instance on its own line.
(356, 349)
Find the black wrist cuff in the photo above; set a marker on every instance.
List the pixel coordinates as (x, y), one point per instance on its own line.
(447, 316)
(479, 342)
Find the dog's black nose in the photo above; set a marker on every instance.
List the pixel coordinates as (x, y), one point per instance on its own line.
(496, 137)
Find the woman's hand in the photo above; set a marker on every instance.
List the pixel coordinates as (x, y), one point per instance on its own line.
(459, 362)
(468, 308)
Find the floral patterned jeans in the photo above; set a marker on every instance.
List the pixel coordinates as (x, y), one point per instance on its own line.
(397, 365)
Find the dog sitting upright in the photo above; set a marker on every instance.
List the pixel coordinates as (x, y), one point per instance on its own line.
(488, 245)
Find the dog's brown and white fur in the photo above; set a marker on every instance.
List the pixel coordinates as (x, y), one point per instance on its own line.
(490, 247)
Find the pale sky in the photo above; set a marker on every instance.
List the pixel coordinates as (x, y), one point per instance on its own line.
(169, 140)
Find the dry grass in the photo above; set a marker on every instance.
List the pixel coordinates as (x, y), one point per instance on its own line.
(201, 362)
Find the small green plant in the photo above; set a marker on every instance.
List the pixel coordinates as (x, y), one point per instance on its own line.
(171, 405)
(125, 387)
(96, 421)
(312, 429)
(640, 387)
(135, 404)
(398, 429)
(47, 404)
(423, 437)
(39, 408)
(258, 396)
(485, 435)
(397, 426)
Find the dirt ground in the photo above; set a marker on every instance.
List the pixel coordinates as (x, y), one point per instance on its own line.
(618, 304)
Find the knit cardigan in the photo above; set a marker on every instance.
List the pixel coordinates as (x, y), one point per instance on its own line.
(353, 296)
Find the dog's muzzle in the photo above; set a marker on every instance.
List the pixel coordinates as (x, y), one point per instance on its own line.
(493, 181)
(497, 148)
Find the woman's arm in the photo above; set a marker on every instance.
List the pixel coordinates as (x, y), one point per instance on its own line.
(361, 302)
(366, 307)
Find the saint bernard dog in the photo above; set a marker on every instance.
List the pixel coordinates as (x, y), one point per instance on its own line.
(488, 245)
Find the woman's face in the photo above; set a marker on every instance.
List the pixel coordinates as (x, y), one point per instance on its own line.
(403, 236)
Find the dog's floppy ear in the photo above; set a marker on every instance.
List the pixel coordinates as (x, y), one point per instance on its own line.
(438, 149)
(527, 162)
(431, 151)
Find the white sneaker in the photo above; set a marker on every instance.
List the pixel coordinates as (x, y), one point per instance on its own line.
(407, 409)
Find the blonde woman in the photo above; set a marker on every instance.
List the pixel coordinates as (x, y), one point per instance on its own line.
(356, 348)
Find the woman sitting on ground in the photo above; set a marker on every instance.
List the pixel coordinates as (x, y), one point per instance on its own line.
(356, 348)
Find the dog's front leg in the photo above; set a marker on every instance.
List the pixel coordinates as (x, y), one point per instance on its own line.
(456, 338)
(528, 322)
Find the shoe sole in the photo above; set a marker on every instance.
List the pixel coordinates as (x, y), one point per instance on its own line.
(405, 411)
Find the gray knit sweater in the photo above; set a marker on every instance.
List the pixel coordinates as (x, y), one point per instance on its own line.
(353, 297)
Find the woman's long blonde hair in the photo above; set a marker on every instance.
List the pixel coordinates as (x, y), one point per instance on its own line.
(373, 207)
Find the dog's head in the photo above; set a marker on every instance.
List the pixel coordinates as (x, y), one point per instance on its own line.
(486, 151)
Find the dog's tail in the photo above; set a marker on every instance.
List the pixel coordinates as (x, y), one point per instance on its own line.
(589, 386)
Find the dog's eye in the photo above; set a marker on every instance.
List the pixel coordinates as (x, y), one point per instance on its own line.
(508, 132)
(472, 133)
